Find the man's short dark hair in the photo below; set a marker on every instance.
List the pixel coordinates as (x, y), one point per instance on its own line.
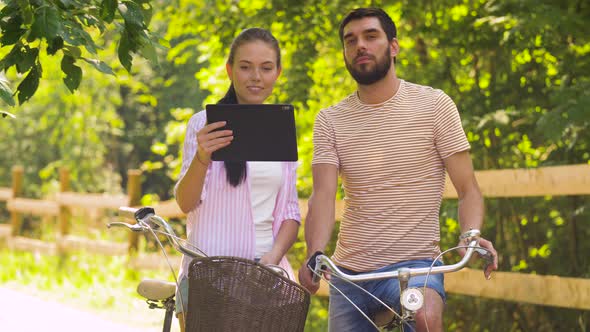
(386, 21)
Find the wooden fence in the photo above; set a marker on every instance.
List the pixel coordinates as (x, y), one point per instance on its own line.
(528, 288)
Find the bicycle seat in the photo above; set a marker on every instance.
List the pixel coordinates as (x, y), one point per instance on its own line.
(156, 290)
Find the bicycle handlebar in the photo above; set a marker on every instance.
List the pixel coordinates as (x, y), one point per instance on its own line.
(127, 212)
(472, 236)
(147, 220)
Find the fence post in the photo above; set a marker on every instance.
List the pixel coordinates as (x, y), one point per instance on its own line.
(134, 198)
(17, 188)
(64, 211)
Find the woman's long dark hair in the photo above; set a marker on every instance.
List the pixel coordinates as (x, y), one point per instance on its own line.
(236, 170)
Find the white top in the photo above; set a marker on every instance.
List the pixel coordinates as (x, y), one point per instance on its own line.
(265, 181)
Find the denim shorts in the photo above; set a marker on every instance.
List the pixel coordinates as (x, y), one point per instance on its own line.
(345, 317)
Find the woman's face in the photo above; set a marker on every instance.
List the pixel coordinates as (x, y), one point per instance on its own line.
(253, 72)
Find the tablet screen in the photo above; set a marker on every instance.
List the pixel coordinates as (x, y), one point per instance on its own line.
(262, 132)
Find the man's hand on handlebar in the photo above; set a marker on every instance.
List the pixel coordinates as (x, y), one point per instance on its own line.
(305, 279)
(493, 264)
(306, 274)
(491, 256)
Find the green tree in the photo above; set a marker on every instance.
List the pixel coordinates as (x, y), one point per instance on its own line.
(32, 29)
(64, 129)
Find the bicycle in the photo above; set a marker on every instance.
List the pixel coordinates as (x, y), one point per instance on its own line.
(240, 294)
(411, 298)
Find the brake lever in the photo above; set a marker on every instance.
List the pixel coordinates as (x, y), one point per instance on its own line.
(134, 227)
(486, 256)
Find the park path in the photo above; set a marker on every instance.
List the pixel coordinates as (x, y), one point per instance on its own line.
(21, 312)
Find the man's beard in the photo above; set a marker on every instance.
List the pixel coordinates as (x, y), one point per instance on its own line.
(372, 76)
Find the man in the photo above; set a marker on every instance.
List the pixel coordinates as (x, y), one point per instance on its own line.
(391, 142)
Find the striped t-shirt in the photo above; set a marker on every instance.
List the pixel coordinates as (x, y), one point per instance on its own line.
(390, 158)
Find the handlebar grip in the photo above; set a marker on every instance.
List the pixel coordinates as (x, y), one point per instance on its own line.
(127, 212)
(312, 265)
(137, 214)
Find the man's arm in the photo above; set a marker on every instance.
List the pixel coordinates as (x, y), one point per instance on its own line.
(320, 219)
(471, 207)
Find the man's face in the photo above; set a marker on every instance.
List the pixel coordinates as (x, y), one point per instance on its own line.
(367, 53)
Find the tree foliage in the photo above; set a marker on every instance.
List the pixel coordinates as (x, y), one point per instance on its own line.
(32, 29)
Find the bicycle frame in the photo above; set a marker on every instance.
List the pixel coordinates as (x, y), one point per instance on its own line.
(411, 299)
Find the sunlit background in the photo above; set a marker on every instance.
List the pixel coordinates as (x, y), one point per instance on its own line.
(519, 72)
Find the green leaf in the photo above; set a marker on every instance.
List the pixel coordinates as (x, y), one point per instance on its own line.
(73, 73)
(26, 58)
(72, 51)
(11, 30)
(124, 52)
(26, 89)
(6, 92)
(11, 58)
(147, 12)
(11, 9)
(107, 10)
(74, 34)
(56, 44)
(132, 15)
(10, 37)
(47, 23)
(67, 4)
(26, 11)
(100, 66)
(148, 51)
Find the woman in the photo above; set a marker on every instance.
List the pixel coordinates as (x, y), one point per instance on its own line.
(245, 209)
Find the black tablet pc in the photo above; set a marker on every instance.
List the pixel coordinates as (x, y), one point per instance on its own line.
(262, 132)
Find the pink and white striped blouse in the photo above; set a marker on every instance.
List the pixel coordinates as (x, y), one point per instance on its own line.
(221, 224)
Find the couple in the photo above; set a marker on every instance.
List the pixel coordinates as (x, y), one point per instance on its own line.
(391, 141)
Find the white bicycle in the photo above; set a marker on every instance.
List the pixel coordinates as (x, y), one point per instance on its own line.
(226, 294)
(411, 298)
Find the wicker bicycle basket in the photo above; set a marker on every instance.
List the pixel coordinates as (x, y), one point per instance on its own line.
(236, 294)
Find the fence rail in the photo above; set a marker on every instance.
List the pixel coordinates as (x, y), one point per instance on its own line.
(510, 286)
(542, 181)
(91, 201)
(5, 194)
(521, 287)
